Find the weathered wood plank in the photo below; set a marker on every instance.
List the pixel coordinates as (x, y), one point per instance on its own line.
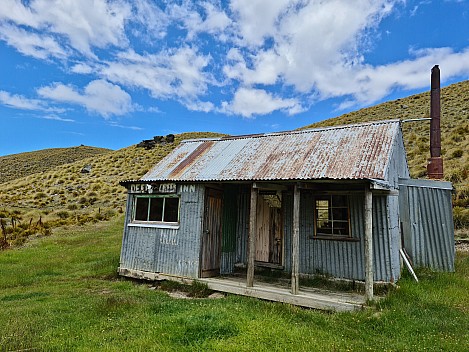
(368, 244)
(295, 278)
(252, 238)
(303, 299)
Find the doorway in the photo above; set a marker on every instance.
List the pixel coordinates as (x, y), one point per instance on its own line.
(211, 235)
(269, 234)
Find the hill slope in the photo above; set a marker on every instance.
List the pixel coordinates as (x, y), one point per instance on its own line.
(63, 195)
(19, 165)
(454, 135)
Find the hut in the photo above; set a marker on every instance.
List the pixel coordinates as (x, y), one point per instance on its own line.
(336, 201)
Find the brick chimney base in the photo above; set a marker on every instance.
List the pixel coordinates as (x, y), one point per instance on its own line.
(435, 168)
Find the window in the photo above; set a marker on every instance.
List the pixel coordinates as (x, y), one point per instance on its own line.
(157, 209)
(331, 217)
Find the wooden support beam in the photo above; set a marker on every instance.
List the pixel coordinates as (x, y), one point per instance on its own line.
(252, 237)
(368, 244)
(295, 265)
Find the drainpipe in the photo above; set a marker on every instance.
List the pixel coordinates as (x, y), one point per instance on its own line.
(435, 163)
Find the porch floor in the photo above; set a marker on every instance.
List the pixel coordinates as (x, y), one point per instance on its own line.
(307, 296)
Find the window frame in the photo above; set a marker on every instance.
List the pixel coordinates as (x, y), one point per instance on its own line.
(329, 197)
(156, 222)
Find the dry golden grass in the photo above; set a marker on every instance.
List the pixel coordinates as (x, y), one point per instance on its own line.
(454, 136)
(64, 196)
(18, 165)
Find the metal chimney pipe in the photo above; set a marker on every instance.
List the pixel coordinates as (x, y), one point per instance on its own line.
(435, 163)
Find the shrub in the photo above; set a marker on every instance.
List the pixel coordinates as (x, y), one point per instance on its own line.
(63, 214)
(457, 153)
(461, 217)
(40, 195)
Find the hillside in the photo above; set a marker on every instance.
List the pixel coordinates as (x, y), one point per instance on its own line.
(64, 195)
(19, 165)
(454, 136)
(60, 196)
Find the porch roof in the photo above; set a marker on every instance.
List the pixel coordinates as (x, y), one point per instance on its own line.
(360, 151)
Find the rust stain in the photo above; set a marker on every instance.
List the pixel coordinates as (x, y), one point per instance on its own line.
(191, 158)
(345, 152)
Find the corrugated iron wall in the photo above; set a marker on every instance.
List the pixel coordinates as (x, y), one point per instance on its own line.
(164, 250)
(427, 223)
(242, 226)
(230, 212)
(345, 259)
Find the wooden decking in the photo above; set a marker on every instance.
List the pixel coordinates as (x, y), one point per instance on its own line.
(306, 297)
(278, 291)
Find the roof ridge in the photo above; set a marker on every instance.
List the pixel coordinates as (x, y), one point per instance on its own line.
(292, 132)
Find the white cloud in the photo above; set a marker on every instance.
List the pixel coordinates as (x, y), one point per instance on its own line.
(32, 44)
(273, 54)
(257, 20)
(153, 21)
(370, 83)
(81, 68)
(248, 102)
(84, 23)
(168, 74)
(55, 118)
(212, 19)
(133, 128)
(98, 96)
(16, 101)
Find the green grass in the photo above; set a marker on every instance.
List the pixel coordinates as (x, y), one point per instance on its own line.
(61, 293)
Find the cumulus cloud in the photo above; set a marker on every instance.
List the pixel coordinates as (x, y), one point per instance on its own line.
(99, 96)
(249, 101)
(83, 23)
(168, 74)
(243, 57)
(31, 44)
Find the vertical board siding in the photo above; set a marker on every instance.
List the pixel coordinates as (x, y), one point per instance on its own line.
(168, 251)
(242, 226)
(428, 225)
(230, 215)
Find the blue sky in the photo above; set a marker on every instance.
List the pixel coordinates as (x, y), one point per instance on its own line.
(111, 73)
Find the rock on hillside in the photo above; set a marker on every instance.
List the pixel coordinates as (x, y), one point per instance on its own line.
(19, 165)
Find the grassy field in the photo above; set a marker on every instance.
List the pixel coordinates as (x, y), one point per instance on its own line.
(53, 195)
(61, 293)
(19, 165)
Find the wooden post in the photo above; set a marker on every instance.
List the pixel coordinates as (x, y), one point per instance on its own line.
(295, 257)
(252, 237)
(368, 244)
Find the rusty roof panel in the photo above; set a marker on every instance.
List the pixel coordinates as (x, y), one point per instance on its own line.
(361, 151)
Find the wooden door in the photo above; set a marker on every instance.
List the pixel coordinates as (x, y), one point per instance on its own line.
(269, 239)
(211, 236)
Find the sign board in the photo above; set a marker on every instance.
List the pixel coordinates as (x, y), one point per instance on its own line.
(152, 188)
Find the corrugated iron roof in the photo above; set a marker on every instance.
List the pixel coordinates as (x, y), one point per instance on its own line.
(361, 151)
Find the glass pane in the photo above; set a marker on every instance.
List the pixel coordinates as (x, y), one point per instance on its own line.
(171, 209)
(332, 218)
(141, 209)
(339, 201)
(156, 209)
(339, 214)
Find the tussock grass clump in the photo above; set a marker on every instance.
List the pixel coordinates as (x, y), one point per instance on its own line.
(454, 136)
(66, 196)
(19, 165)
